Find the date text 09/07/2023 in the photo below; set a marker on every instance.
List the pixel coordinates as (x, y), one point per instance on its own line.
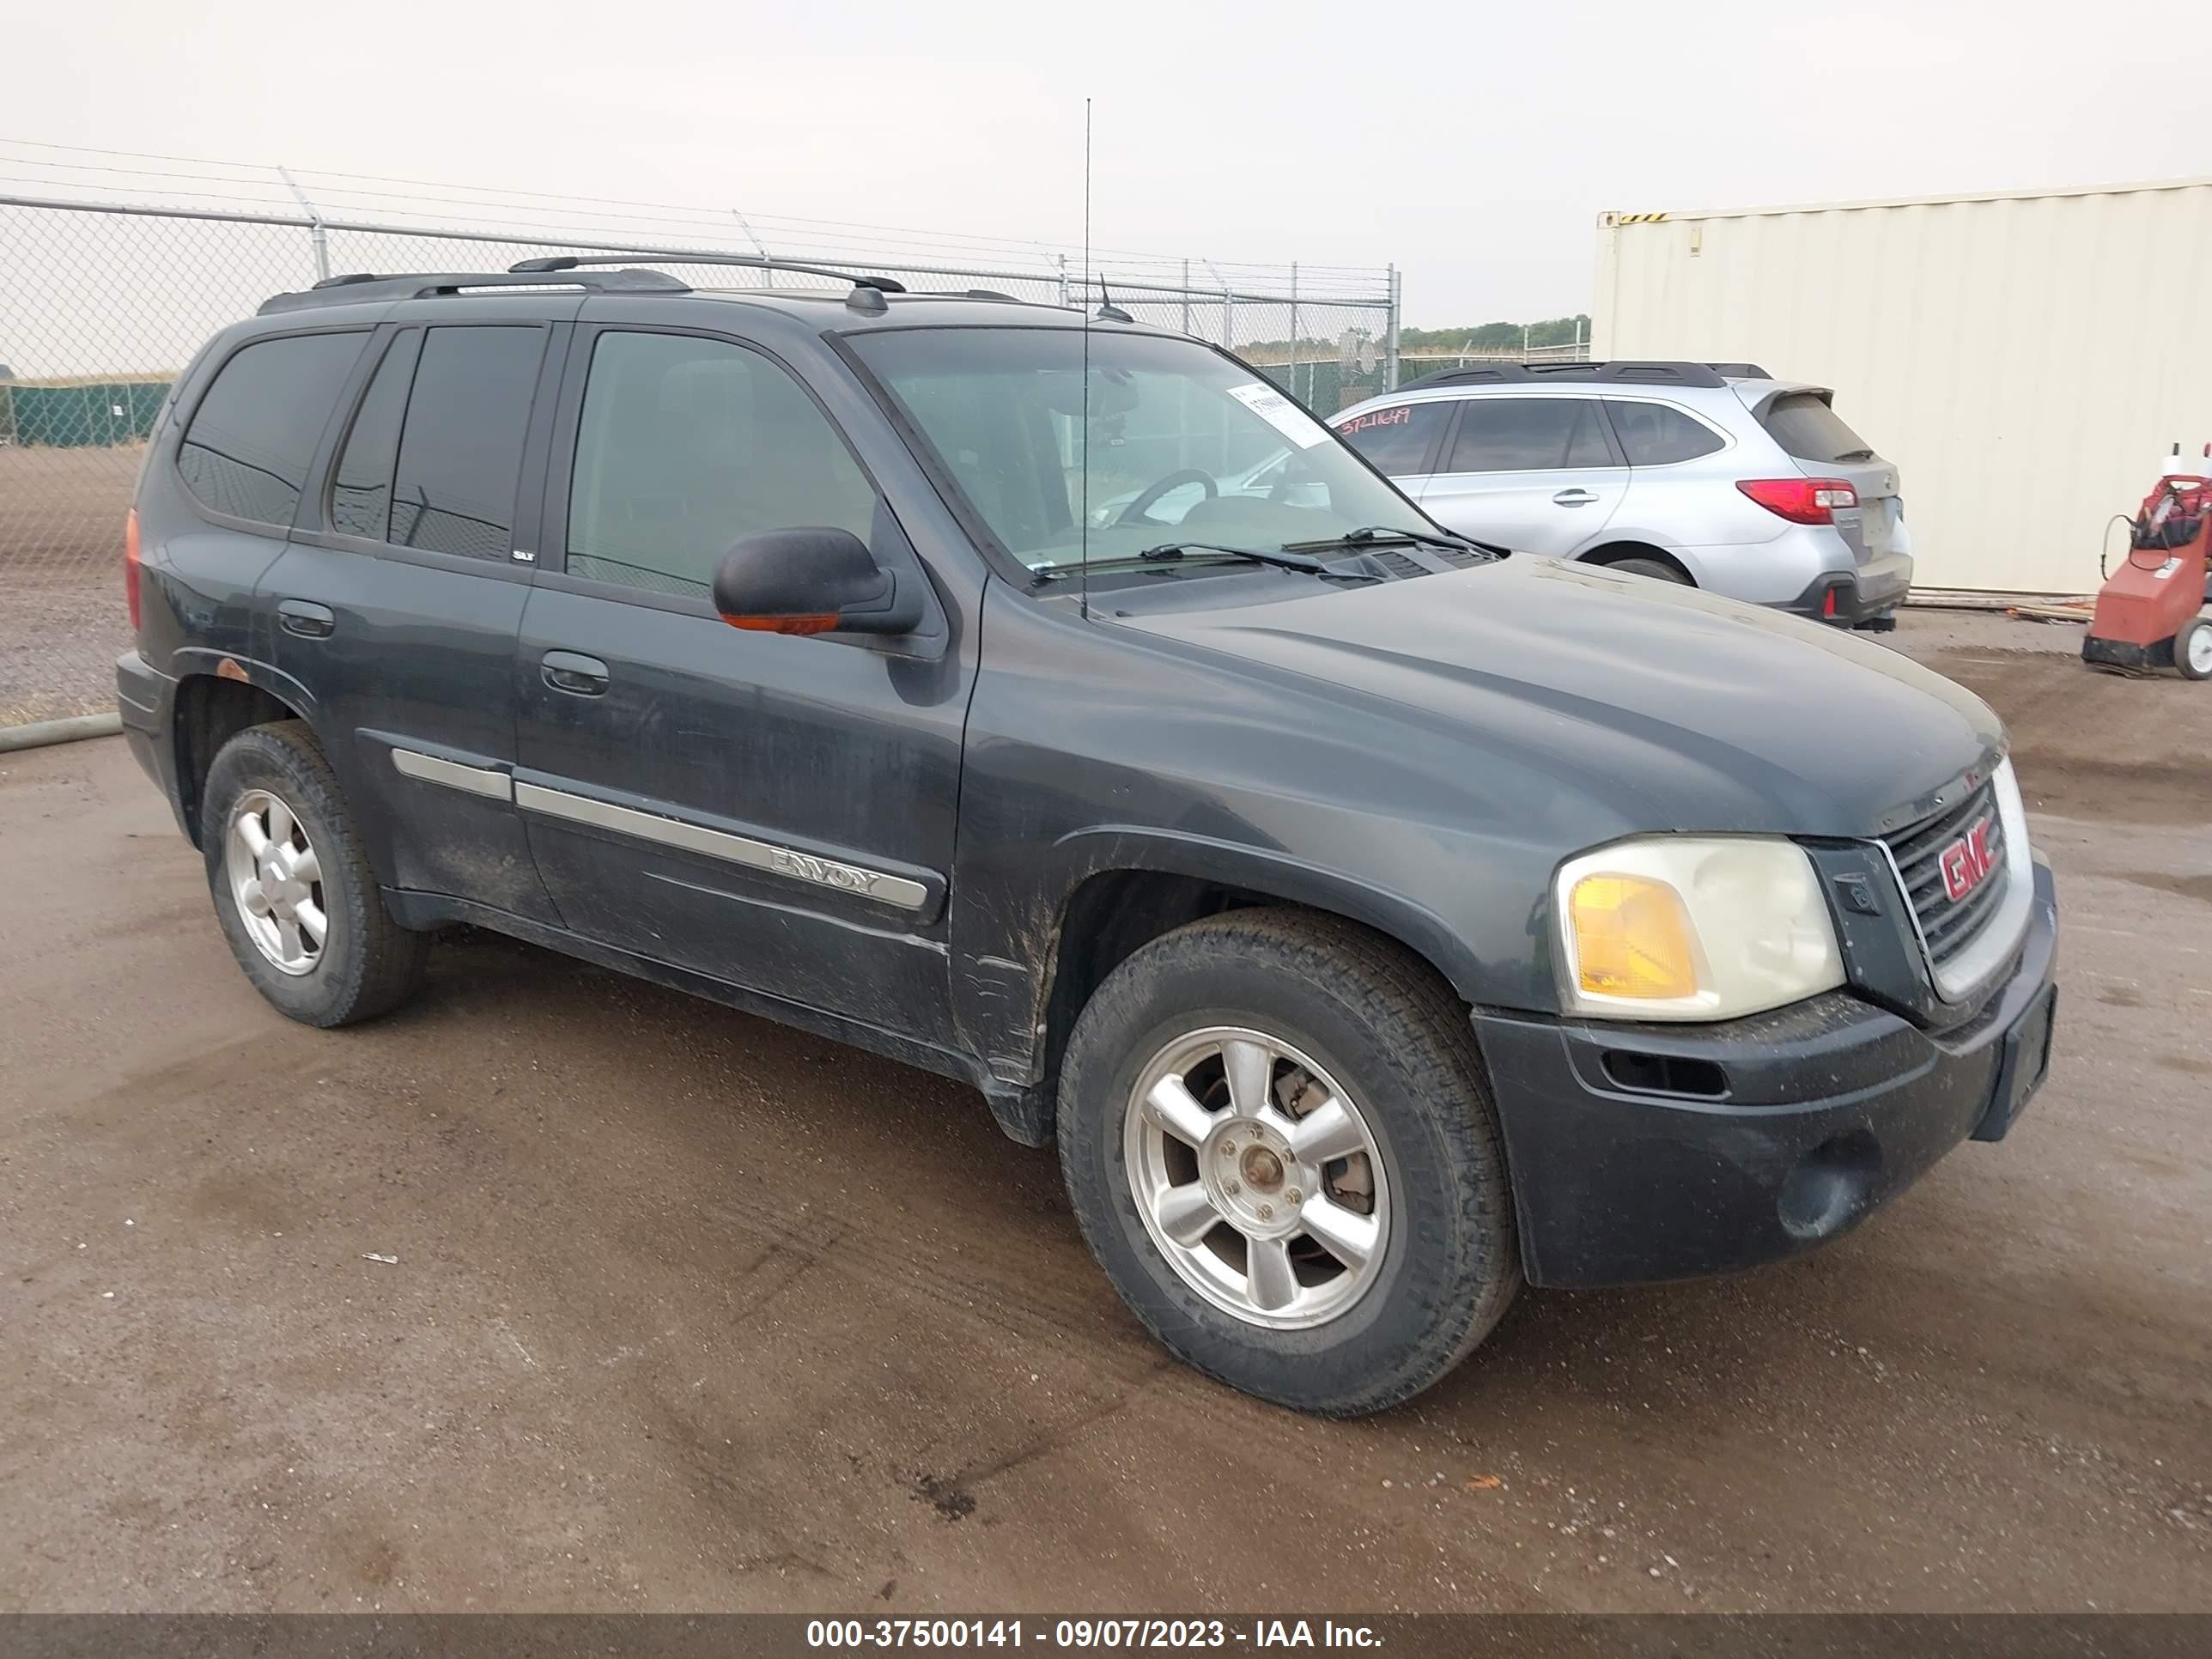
(1086, 1633)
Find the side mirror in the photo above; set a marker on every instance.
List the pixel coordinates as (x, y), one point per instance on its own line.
(812, 581)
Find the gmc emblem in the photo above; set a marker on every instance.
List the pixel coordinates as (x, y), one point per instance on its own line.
(1965, 861)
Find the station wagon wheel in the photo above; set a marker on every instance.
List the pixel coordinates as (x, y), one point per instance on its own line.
(1658, 570)
(277, 880)
(1258, 1177)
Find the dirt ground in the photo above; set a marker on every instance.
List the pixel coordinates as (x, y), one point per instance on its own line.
(63, 617)
(690, 1311)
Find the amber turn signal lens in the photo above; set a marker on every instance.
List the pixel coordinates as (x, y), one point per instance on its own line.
(1632, 939)
(783, 624)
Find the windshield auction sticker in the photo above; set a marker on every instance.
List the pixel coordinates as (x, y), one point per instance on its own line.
(1279, 412)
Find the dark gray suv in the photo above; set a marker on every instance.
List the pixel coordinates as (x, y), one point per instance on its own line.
(1375, 921)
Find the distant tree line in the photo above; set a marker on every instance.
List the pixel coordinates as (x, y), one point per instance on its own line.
(1497, 336)
(1481, 337)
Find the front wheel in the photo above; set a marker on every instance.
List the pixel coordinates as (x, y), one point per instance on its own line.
(2192, 649)
(1277, 1137)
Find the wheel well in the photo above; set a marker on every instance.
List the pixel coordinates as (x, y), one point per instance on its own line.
(210, 712)
(1115, 914)
(1613, 552)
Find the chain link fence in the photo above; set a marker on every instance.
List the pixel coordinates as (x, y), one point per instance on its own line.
(104, 305)
(1429, 361)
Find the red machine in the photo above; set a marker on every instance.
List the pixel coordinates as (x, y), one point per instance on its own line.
(2148, 610)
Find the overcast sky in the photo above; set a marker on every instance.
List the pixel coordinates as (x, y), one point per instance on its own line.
(1472, 144)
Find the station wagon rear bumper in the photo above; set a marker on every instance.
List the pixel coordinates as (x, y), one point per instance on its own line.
(1866, 593)
(1644, 1152)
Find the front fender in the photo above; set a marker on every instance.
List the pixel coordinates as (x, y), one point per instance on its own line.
(1011, 943)
(1278, 874)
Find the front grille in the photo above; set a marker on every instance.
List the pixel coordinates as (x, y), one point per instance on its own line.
(1949, 928)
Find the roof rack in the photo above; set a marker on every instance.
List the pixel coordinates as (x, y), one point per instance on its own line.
(362, 288)
(751, 261)
(1629, 371)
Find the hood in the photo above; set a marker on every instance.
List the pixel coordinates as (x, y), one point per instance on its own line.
(1681, 710)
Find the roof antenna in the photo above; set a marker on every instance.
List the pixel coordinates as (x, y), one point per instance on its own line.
(1083, 520)
(1107, 311)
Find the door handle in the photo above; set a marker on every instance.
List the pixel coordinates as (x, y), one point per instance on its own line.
(1575, 497)
(308, 620)
(571, 671)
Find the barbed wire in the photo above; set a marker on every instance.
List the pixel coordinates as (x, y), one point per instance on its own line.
(114, 177)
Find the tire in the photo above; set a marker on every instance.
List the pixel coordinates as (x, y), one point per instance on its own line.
(1396, 1043)
(2192, 649)
(1657, 569)
(366, 964)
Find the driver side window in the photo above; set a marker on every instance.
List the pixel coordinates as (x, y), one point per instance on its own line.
(687, 445)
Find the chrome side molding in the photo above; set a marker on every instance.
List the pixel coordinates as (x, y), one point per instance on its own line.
(785, 861)
(470, 780)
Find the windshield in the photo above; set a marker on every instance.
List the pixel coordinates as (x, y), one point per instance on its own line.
(1184, 443)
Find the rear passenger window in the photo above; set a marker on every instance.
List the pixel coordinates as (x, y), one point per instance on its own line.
(1395, 442)
(687, 445)
(1652, 434)
(460, 448)
(361, 490)
(1529, 435)
(253, 436)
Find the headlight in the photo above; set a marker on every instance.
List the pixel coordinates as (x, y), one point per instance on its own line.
(1692, 928)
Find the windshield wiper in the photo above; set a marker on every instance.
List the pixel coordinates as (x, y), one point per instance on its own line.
(1367, 534)
(1171, 552)
(1286, 559)
(1853, 455)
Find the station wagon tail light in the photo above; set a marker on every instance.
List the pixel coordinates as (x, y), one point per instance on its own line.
(1801, 500)
(1692, 928)
(131, 566)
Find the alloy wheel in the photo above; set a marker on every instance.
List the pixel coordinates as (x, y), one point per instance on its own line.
(277, 880)
(1258, 1177)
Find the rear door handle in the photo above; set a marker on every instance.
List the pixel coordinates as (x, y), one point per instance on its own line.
(1575, 497)
(571, 671)
(308, 620)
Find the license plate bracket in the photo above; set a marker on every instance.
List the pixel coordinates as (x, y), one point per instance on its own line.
(2024, 1061)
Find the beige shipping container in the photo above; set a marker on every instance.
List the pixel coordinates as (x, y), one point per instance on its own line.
(2026, 357)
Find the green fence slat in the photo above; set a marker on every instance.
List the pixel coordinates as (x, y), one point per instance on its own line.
(100, 415)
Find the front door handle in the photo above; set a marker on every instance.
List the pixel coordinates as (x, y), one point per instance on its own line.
(306, 619)
(571, 671)
(1575, 497)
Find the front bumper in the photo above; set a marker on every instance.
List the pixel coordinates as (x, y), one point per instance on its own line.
(1646, 1151)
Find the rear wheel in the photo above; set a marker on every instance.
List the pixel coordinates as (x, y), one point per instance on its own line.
(2192, 649)
(1657, 569)
(1277, 1137)
(292, 889)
